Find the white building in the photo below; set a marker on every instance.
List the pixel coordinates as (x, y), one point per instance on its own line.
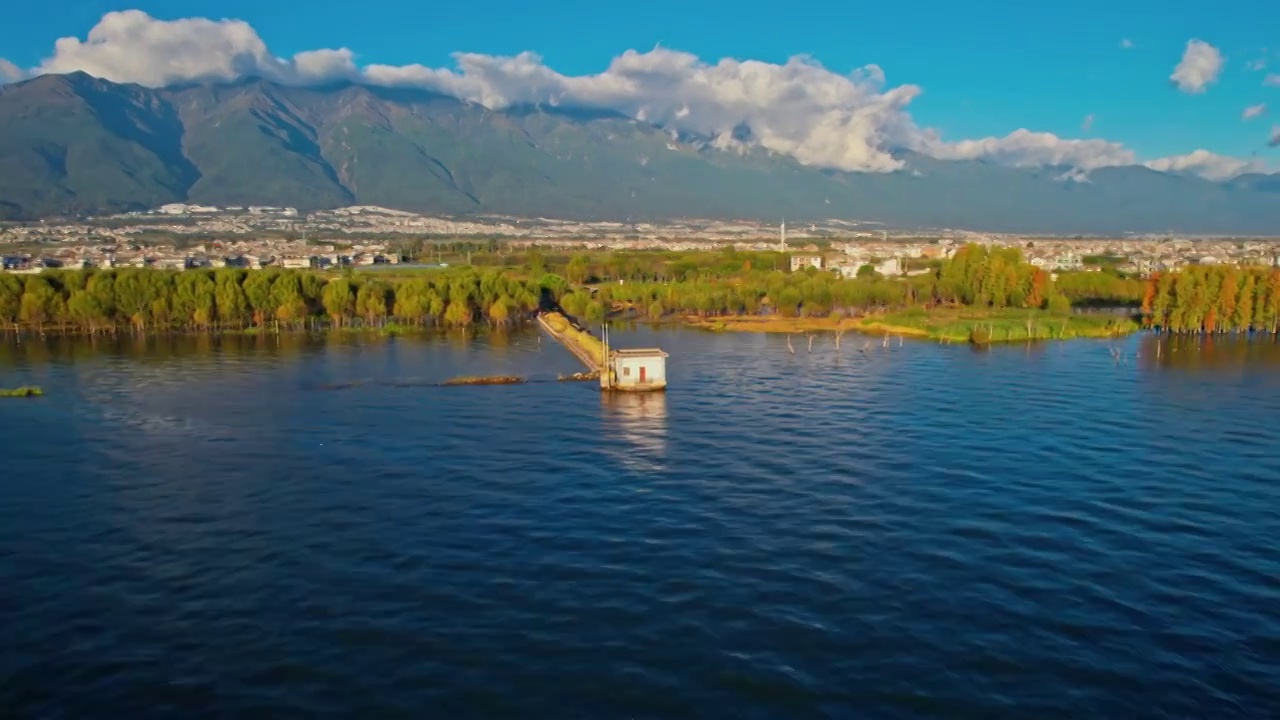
(637, 370)
(1068, 261)
(800, 262)
(889, 268)
(184, 209)
(297, 262)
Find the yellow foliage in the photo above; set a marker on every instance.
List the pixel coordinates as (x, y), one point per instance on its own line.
(562, 327)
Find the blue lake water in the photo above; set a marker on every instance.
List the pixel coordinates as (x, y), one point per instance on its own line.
(303, 527)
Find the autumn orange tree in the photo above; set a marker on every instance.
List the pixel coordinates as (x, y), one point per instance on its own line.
(1213, 299)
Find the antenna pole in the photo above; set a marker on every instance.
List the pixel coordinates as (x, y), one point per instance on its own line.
(604, 362)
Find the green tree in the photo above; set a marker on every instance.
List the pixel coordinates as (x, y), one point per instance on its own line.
(536, 263)
(338, 300)
(371, 301)
(231, 302)
(194, 298)
(578, 269)
(788, 302)
(500, 311)
(458, 313)
(10, 298)
(85, 310)
(257, 288)
(40, 302)
(575, 303)
(1059, 304)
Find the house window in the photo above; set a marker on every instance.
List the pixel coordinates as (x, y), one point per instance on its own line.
(626, 371)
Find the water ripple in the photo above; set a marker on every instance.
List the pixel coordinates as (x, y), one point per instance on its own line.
(200, 530)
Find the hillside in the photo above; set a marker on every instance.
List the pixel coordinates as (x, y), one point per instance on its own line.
(73, 144)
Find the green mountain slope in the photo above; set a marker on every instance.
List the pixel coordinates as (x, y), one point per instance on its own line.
(254, 147)
(75, 144)
(71, 144)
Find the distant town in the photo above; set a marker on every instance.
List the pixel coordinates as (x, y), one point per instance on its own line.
(181, 236)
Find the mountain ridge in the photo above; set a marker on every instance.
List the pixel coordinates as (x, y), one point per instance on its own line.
(75, 144)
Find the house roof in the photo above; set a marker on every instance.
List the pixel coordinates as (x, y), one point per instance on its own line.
(641, 352)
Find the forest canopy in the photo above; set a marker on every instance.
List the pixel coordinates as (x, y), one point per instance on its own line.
(591, 287)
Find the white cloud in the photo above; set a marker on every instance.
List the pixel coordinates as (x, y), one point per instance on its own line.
(1087, 124)
(1275, 136)
(1206, 164)
(9, 72)
(1200, 66)
(797, 108)
(1023, 148)
(851, 121)
(131, 46)
(1126, 44)
(1271, 80)
(1253, 111)
(1256, 65)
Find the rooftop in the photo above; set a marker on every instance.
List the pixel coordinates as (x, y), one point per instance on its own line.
(641, 352)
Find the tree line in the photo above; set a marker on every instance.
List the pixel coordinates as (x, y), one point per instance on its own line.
(652, 285)
(1213, 299)
(149, 300)
(976, 276)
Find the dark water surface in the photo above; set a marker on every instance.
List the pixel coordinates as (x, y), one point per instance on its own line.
(307, 528)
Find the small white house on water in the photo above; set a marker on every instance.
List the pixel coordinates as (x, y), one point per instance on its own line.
(637, 369)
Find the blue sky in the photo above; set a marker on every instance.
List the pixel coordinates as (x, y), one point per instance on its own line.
(985, 69)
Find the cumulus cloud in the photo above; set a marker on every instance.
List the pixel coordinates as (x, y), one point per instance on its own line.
(1126, 44)
(797, 108)
(848, 121)
(1253, 111)
(1087, 124)
(9, 72)
(1206, 164)
(1200, 66)
(1271, 80)
(1023, 148)
(132, 46)
(1256, 65)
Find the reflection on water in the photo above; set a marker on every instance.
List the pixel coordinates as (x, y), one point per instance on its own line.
(641, 420)
(1208, 352)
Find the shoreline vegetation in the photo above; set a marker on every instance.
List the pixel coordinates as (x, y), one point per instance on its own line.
(24, 391)
(586, 347)
(979, 295)
(944, 324)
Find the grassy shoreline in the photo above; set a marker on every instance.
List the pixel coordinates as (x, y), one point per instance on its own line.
(941, 324)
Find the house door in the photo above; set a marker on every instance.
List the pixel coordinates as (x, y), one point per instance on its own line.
(642, 373)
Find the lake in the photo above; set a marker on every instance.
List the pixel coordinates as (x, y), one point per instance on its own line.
(308, 527)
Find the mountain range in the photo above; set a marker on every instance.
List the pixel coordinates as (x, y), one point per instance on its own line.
(74, 144)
